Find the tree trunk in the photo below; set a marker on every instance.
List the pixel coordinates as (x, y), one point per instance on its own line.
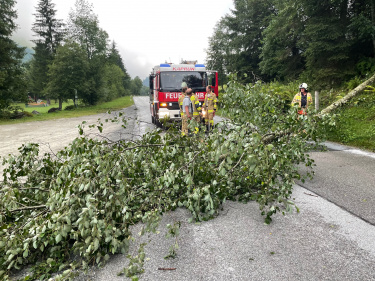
(349, 96)
(60, 104)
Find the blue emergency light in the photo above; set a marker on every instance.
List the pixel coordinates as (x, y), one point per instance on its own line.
(199, 65)
(164, 65)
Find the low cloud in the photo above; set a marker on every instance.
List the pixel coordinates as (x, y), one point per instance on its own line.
(136, 64)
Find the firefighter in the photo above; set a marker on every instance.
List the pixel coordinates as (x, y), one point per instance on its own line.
(182, 96)
(188, 112)
(210, 104)
(196, 107)
(303, 98)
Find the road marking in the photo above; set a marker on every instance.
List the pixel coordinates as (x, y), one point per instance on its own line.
(350, 226)
(361, 152)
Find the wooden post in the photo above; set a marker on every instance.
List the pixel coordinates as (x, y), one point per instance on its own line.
(316, 100)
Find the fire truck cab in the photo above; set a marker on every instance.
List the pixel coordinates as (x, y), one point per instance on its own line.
(165, 88)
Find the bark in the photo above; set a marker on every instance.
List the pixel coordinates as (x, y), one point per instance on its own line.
(28, 208)
(349, 96)
(60, 103)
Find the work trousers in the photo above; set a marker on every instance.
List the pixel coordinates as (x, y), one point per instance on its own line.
(210, 119)
(184, 127)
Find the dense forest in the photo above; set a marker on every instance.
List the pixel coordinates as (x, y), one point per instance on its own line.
(69, 59)
(323, 43)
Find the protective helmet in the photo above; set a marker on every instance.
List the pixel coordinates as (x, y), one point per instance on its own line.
(183, 85)
(303, 85)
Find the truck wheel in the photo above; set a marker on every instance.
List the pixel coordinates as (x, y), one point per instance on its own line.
(158, 123)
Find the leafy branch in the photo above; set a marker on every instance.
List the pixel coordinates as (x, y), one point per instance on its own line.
(95, 189)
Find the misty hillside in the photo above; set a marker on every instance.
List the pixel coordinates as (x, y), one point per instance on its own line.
(28, 55)
(146, 82)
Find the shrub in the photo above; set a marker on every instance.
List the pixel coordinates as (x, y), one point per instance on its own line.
(14, 112)
(70, 107)
(53, 109)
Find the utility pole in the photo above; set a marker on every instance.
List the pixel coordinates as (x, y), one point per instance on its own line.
(316, 100)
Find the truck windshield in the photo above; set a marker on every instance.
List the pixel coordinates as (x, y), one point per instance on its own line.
(171, 81)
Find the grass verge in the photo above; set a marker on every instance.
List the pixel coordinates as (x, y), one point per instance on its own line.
(116, 104)
(355, 127)
(355, 123)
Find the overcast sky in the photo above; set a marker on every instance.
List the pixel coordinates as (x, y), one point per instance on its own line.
(147, 32)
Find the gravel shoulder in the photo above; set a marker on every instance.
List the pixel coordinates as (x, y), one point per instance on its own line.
(54, 134)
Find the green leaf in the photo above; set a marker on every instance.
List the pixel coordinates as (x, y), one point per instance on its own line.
(26, 253)
(58, 238)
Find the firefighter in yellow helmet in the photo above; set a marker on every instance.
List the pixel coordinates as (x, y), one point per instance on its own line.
(196, 107)
(181, 98)
(210, 104)
(303, 98)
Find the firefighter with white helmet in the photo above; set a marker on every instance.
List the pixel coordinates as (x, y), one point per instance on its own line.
(303, 99)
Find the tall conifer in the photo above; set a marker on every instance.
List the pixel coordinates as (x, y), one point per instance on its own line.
(115, 58)
(49, 34)
(10, 57)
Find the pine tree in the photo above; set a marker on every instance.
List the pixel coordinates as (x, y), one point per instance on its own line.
(11, 81)
(281, 55)
(242, 31)
(48, 29)
(115, 58)
(362, 34)
(49, 33)
(218, 52)
(325, 43)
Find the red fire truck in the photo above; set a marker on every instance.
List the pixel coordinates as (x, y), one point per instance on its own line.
(165, 88)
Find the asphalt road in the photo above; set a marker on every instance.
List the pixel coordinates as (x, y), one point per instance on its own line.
(332, 238)
(345, 176)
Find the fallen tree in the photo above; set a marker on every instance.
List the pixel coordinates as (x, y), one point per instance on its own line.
(83, 201)
(322, 116)
(349, 96)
